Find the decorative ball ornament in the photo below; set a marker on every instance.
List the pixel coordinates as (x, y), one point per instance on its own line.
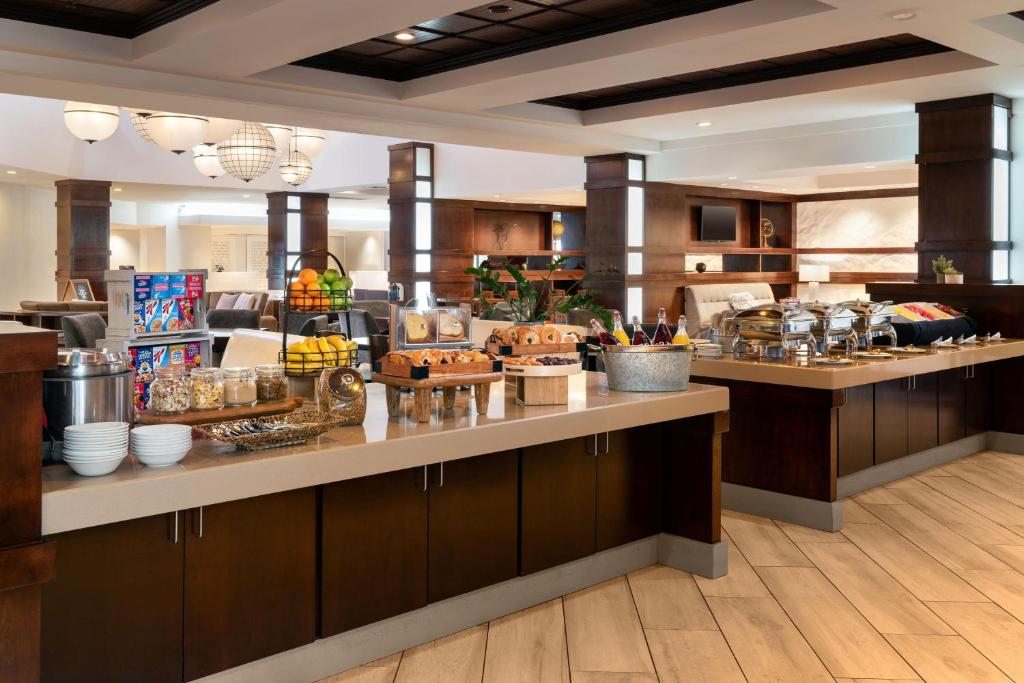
(139, 124)
(309, 141)
(205, 159)
(282, 136)
(177, 132)
(557, 229)
(220, 130)
(91, 122)
(296, 168)
(249, 153)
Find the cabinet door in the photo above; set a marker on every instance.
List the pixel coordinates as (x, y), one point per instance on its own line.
(977, 405)
(890, 420)
(855, 428)
(114, 611)
(250, 580)
(630, 476)
(473, 528)
(922, 413)
(952, 408)
(558, 503)
(374, 549)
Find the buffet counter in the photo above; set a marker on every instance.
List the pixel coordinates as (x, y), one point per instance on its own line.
(294, 563)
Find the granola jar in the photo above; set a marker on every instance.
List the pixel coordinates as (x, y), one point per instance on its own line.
(271, 384)
(171, 391)
(207, 389)
(239, 387)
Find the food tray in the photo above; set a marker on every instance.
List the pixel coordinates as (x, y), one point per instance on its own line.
(302, 425)
(534, 349)
(446, 370)
(542, 370)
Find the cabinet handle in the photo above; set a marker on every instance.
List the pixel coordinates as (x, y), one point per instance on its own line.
(424, 489)
(199, 533)
(440, 481)
(597, 450)
(607, 443)
(174, 537)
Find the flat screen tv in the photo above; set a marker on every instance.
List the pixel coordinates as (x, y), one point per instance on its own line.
(717, 223)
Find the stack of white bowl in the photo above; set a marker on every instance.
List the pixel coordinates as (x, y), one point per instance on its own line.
(97, 448)
(161, 445)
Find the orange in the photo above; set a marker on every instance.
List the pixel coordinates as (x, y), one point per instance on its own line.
(307, 276)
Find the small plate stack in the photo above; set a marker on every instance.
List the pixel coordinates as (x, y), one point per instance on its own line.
(95, 449)
(161, 445)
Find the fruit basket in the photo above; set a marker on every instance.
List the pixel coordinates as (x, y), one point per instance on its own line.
(308, 357)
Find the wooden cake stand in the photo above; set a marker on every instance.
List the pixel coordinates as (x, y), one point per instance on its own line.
(422, 389)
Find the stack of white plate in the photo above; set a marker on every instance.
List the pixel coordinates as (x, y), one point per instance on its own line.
(97, 448)
(161, 445)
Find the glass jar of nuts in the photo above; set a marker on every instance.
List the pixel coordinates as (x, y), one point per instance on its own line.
(271, 384)
(171, 392)
(207, 389)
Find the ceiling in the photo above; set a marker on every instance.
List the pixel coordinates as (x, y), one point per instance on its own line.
(565, 77)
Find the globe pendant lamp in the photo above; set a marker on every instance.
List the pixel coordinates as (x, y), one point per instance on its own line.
(282, 136)
(220, 130)
(139, 124)
(296, 168)
(177, 132)
(249, 153)
(91, 122)
(309, 141)
(205, 159)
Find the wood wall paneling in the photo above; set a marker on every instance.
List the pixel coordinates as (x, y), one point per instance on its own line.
(83, 233)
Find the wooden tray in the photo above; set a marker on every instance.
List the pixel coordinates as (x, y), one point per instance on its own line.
(423, 388)
(419, 372)
(534, 349)
(200, 417)
(542, 370)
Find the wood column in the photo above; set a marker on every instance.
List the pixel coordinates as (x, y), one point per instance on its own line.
(411, 184)
(83, 233)
(961, 142)
(310, 208)
(26, 561)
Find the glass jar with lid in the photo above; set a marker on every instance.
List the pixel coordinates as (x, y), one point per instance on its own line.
(207, 389)
(271, 384)
(171, 391)
(239, 387)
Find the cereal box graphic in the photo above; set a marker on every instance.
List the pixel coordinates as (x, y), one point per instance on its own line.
(193, 285)
(161, 286)
(141, 395)
(192, 357)
(138, 316)
(186, 314)
(152, 314)
(142, 356)
(169, 315)
(143, 287)
(179, 290)
(177, 354)
(161, 357)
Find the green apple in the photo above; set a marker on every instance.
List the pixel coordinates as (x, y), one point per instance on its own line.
(346, 283)
(331, 275)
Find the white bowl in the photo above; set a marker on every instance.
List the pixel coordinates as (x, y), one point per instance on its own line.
(171, 445)
(161, 459)
(77, 457)
(95, 468)
(95, 448)
(93, 427)
(159, 453)
(161, 431)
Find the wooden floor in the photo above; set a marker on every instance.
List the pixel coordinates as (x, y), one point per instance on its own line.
(925, 582)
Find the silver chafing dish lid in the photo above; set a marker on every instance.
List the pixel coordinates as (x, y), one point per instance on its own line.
(867, 307)
(90, 363)
(773, 313)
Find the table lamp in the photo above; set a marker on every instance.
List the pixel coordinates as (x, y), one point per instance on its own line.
(813, 275)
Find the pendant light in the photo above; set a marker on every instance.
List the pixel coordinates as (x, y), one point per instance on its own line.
(91, 122)
(177, 132)
(282, 136)
(309, 141)
(205, 159)
(139, 124)
(296, 168)
(220, 130)
(249, 153)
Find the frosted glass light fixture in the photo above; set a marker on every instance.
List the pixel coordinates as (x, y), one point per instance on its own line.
(813, 275)
(220, 130)
(309, 141)
(249, 153)
(177, 132)
(282, 136)
(91, 122)
(634, 302)
(138, 119)
(205, 159)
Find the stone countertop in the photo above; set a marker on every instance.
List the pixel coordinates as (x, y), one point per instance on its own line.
(800, 373)
(214, 472)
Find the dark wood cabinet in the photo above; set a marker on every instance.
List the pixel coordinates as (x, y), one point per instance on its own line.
(952, 404)
(114, 612)
(890, 420)
(250, 580)
(855, 428)
(922, 413)
(978, 398)
(630, 478)
(558, 501)
(374, 549)
(473, 523)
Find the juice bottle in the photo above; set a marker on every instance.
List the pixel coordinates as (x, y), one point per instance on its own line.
(662, 335)
(617, 329)
(604, 336)
(640, 337)
(681, 338)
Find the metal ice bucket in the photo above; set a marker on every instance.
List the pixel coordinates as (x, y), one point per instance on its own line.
(647, 368)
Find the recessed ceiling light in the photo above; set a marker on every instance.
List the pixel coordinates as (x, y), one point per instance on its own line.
(12, 172)
(349, 192)
(117, 189)
(869, 166)
(499, 9)
(404, 36)
(703, 124)
(246, 196)
(903, 15)
(732, 177)
(725, 184)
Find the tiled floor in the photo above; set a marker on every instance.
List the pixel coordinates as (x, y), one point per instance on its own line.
(925, 582)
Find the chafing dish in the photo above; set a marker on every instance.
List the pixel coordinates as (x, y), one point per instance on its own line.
(763, 328)
(833, 324)
(872, 319)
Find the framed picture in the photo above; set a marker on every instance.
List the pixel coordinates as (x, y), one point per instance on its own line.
(79, 290)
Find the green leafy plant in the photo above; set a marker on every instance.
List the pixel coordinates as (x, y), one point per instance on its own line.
(942, 265)
(951, 271)
(534, 301)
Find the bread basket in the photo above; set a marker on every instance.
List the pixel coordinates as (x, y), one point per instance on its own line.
(647, 368)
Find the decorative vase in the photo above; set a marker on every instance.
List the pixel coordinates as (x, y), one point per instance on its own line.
(957, 279)
(940, 278)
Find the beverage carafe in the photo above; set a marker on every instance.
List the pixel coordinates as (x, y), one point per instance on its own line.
(662, 335)
(639, 336)
(617, 329)
(681, 337)
(603, 335)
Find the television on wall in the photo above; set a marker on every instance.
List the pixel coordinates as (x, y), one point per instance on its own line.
(717, 223)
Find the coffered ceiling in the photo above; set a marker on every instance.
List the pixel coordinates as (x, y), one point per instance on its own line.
(566, 77)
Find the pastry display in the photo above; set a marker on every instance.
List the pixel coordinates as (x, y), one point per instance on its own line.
(550, 335)
(429, 357)
(416, 329)
(526, 334)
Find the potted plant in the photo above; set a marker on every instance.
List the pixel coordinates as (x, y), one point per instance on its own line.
(953, 276)
(534, 302)
(940, 266)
